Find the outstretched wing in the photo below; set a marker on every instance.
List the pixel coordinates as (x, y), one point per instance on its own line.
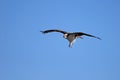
(54, 30)
(81, 34)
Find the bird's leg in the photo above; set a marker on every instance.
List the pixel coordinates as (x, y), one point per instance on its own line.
(81, 37)
(70, 45)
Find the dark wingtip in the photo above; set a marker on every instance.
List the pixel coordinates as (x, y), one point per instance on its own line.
(98, 38)
(42, 32)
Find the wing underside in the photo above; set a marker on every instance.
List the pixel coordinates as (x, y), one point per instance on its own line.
(81, 34)
(54, 30)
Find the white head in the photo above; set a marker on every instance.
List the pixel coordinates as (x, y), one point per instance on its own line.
(65, 36)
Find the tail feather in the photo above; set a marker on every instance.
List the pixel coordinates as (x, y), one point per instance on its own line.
(70, 44)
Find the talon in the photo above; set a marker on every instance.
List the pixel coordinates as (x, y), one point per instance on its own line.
(81, 37)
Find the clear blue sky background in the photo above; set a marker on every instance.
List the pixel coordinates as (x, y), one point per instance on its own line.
(26, 54)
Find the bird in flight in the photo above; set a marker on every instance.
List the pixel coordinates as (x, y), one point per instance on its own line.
(70, 36)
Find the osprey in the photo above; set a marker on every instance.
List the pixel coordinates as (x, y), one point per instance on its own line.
(71, 37)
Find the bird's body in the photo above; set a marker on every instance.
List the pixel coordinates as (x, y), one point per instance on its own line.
(71, 37)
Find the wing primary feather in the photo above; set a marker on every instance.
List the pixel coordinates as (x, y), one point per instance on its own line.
(81, 33)
(53, 30)
(92, 36)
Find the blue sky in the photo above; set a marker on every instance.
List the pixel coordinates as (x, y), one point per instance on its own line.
(26, 54)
